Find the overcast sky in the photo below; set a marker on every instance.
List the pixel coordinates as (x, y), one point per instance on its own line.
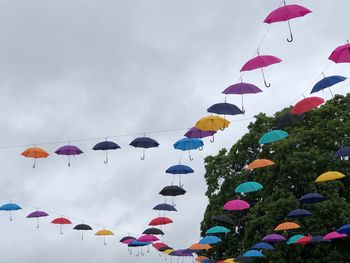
(84, 69)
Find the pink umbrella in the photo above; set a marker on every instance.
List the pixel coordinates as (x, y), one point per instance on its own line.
(148, 238)
(260, 62)
(285, 13)
(334, 235)
(236, 205)
(341, 54)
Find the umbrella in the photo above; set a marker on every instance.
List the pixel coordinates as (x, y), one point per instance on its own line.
(261, 62)
(329, 176)
(248, 187)
(35, 153)
(148, 238)
(341, 54)
(37, 215)
(104, 233)
(273, 136)
(236, 205)
(287, 119)
(172, 190)
(224, 109)
(259, 163)
(327, 82)
(285, 13)
(294, 239)
(263, 245)
(253, 253)
(61, 221)
(312, 198)
(217, 230)
(127, 240)
(274, 238)
(304, 240)
(212, 123)
(242, 259)
(153, 231)
(197, 133)
(298, 213)
(200, 247)
(144, 143)
(306, 105)
(210, 240)
(158, 245)
(69, 150)
(345, 229)
(286, 226)
(105, 146)
(10, 207)
(334, 235)
(241, 89)
(165, 207)
(83, 227)
(343, 152)
(164, 248)
(160, 221)
(223, 219)
(188, 144)
(179, 169)
(200, 258)
(318, 239)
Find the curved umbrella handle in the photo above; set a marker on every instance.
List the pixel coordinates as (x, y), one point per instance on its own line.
(37, 224)
(61, 230)
(68, 160)
(189, 155)
(267, 85)
(106, 160)
(34, 163)
(104, 241)
(11, 219)
(212, 139)
(290, 32)
(200, 148)
(143, 154)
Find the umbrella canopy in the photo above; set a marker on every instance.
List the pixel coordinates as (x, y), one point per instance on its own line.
(200, 258)
(68, 150)
(306, 105)
(160, 221)
(210, 240)
(259, 163)
(35, 153)
(136, 243)
(37, 215)
(329, 176)
(158, 245)
(253, 253)
(287, 120)
(105, 146)
(263, 246)
(274, 238)
(286, 13)
(144, 143)
(212, 123)
(248, 187)
(165, 207)
(341, 54)
(200, 247)
(345, 229)
(179, 169)
(82, 227)
(104, 233)
(188, 144)
(148, 238)
(225, 109)
(273, 136)
(236, 205)
(287, 226)
(294, 239)
(343, 152)
(334, 235)
(153, 231)
(127, 239)
(327, 82)
(304, 240)
(318, 239)
(217, 230)
(223, 219)
(197, 133)
(61, 221)
(260, 61)
(312, 198)
(10, 207)
(172, 190)
(299, 213)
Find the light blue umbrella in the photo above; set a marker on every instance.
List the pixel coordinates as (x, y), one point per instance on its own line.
(294, 239)
(327, 82)
(273, 136)
(248, 187)
(263, 245)
(217, 230)
(10, 207)
(253, 253)
(208, 240)
(188, 144)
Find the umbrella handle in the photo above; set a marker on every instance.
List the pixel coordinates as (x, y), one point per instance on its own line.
(143, 154)
(34, 163)
(200, 148)
(82, 235)
(61, 230)
(189, 155)
(106, 160)
(11, 219)
(290, 32)
(104, 241)
(212, 139)
(37, 225)
(68, 160)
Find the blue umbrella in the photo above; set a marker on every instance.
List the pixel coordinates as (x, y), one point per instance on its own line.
(105, 146)
(312, 198)
(208, 240)
(263, 245)
(145, 143)
(179, 169)
(345, 229)
(165, 207)
(225, 109)
(294, 239)
(188, 144)
(299, 213)
(273, 136)
(10, 207)
(327, 82)
(217, 230)
(343, 152)
(253, 253)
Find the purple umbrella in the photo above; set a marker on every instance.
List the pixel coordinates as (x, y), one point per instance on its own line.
(197, 133)
(242, 88)
(37, 214)
(274, 238)
(69, 150)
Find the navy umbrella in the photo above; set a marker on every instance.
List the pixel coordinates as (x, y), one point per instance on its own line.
(343, 152)
(172, 190)
(299, 213)
(223, 219)
(105, 146)
(312, 198)
(83, 227)
(153, 231)
(287, 119)
(318, 239)
(179, 169)
(145, 143)
(263, 245)
(225, 109)
(244, 259)
(327, 82)
(164, 207)
(345, 229)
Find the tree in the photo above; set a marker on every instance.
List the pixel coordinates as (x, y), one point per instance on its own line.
(300, 159)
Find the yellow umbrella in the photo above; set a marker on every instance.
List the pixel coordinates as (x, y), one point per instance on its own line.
(287, 226)
(212, 123)
(230, 260)
(104, 233)
(329, 176)
(168, 251)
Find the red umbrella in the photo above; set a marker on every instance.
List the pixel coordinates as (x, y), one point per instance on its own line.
(307, 104)
(285, 13)
(160, 221)
(304, 240)
(260, 62)
(61, 221)
(341, 54)
(158, 245)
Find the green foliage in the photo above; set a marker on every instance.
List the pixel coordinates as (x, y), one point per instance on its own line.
(300, 159)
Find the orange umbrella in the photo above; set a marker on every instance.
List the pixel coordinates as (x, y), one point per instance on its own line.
(286, 226)
(259, 163)
(35, 153)
(200, 258)
(200, 247)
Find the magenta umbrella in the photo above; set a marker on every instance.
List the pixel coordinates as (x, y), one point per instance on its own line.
(148, 238)
(37, 214)
(341, 54)
(236, 205)
(69, 150)
(286, 13)
(261, 62)
(334, 235)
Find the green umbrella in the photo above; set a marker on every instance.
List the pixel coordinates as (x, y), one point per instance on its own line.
(273, 136)
(248, 187)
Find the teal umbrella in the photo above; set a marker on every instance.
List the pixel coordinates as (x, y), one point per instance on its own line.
(253, 253)
(217, 230)
(273, 136)
(248, 187)
(294, 239)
